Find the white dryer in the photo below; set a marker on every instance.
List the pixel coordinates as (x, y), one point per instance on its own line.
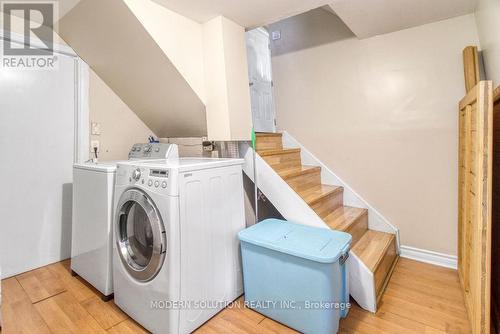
(176, 252)
(93, 194)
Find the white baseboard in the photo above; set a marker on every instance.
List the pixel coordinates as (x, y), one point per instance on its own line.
(422, 255)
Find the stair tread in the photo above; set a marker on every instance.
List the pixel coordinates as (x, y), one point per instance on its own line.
(268, 134)
(264, 153)
(295, 171)
(372, 247)
(314, 194)
(342, 218)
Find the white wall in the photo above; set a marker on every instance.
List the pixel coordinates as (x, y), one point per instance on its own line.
(381, 113)
(180, 38)
(119, 126)
(226, 78)
(488, 26)
(188, 147)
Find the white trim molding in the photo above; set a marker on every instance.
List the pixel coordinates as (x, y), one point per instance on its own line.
(82, 111)
(427, 256)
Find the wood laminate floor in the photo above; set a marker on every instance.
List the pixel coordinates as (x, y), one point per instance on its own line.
(420, 298)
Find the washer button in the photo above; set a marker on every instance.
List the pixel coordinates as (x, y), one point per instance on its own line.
(164, 184)
(150, 183)
(157, 183)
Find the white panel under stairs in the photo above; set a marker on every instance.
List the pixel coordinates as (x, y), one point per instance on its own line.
(312, 195)
(110, 38)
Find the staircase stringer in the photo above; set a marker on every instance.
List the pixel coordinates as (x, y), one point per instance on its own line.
(361, 283)
(290, 205)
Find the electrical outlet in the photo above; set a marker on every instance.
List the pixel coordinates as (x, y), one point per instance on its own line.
(93, 144)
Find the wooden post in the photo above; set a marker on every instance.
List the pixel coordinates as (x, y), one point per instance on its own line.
(475, 203)
(471, 67)
(495, 238)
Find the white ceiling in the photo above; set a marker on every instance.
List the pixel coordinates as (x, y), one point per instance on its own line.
(247, 13)
(368, 18)
(365, 18)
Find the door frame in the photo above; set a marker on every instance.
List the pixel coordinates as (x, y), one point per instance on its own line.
(82, 90)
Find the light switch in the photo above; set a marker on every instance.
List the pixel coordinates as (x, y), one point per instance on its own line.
(96, 128)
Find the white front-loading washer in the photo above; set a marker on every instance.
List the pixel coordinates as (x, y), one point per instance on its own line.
(93, 195)
(176, 256)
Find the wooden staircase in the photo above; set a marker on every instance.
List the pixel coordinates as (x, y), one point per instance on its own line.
(377, 250)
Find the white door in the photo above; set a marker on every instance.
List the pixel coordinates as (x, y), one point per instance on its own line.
(37, 122)
(260, 76)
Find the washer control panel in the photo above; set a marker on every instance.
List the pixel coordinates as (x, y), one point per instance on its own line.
(158, 178)
(162, 180)
(153, 151)
(153, 178)
(158, 173)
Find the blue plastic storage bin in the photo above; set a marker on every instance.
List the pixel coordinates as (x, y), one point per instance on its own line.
(296, 274)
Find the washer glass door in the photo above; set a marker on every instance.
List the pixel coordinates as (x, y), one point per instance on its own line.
(140, 235)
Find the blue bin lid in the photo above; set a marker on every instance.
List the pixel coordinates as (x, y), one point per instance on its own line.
(312, 243)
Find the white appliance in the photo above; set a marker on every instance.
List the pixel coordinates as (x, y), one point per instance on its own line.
(93, 189)
(176, 256)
